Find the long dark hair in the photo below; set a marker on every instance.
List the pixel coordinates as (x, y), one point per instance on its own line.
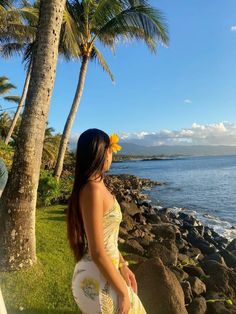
(90, 158)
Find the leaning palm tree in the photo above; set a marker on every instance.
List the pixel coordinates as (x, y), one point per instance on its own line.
(21, 43)
(18, 201)
(108, 22)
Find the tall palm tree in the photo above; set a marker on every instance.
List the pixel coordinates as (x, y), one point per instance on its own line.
(21, 43)
(108, 21)
(18, 201)
(24, 45)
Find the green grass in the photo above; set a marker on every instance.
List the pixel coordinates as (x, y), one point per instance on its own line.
(46, 286)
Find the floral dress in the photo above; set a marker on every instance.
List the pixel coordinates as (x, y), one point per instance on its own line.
(91, 290)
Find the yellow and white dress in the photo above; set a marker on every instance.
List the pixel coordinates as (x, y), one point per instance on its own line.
(91, 290)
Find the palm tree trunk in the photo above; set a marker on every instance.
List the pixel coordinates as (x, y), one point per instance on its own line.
(18, 201)
(70, 119)
(21, 103)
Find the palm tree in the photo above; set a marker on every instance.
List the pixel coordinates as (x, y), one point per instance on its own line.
(24, 45)
(18, 201)
(50, 148)
(108, 22)
(21, 43)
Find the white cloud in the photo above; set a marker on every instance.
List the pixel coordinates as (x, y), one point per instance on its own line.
(188, 101)
(233, 28)
(222, 133)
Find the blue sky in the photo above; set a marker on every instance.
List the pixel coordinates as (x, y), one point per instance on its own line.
(184, 93)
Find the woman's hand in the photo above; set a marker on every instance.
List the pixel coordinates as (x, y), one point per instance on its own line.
(129, 277)
(124, 304)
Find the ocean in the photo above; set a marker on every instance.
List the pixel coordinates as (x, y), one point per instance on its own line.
(203, 186)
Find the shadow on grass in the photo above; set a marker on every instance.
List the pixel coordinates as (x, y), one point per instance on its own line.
(55, 218)
(41, 311)
(56, 212)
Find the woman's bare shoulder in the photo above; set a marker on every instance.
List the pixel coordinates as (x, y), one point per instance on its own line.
(91, 189)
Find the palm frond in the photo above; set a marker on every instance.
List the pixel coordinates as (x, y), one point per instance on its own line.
(10, 49)
(5, 4)
(30, 15)
(28, 55)
(69, 33)
(105, 11)
(96, 54)
(142, 22)
(6, 88)
(15, 99)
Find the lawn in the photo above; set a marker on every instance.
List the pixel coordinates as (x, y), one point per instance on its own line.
(46, 286)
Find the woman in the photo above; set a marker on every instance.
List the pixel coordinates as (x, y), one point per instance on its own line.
(102, 281)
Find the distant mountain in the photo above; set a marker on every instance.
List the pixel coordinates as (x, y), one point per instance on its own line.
(174, 150)
(179, 150)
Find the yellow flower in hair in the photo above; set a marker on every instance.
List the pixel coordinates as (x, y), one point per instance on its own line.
(114, 138)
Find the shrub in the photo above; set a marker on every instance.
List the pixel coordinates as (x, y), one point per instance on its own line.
(48, 189)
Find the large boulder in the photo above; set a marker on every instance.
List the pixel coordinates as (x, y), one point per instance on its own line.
(221, 279)
(198, 306)
(132, 246)
(129, 208)
(169, 256)
(159, 288)
(165, 231)
(232, 245)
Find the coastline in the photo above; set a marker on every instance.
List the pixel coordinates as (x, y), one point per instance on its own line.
(189, 249)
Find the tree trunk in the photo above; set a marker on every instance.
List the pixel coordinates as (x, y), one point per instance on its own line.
(70, 119)
(18, 201)
(21, 103)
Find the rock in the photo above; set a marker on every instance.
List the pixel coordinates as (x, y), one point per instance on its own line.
(188, 296)
(129, 208)
(179, 273)
(143, 242)
(198, 306)
(214, 257)
(220, 308)
(193, 270)
(159, 289)
(132, 246)
(167, 255)
(198, 241)
(137, 233)
(123, 232)
(165, 231)
(229, 258)
(194, 253)
(180, 243)
(127, 222)
(163, 218)
(233, 252)
(135, 260)
(221, 279)
(198, 287)
(153, 218)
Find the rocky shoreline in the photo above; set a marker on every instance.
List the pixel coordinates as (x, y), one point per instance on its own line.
(181, 266)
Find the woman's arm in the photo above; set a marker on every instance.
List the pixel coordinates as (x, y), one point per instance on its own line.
(127, 274)
(121, 260)
(92, 211)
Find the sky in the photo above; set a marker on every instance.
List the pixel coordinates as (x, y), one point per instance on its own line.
(183, 94)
